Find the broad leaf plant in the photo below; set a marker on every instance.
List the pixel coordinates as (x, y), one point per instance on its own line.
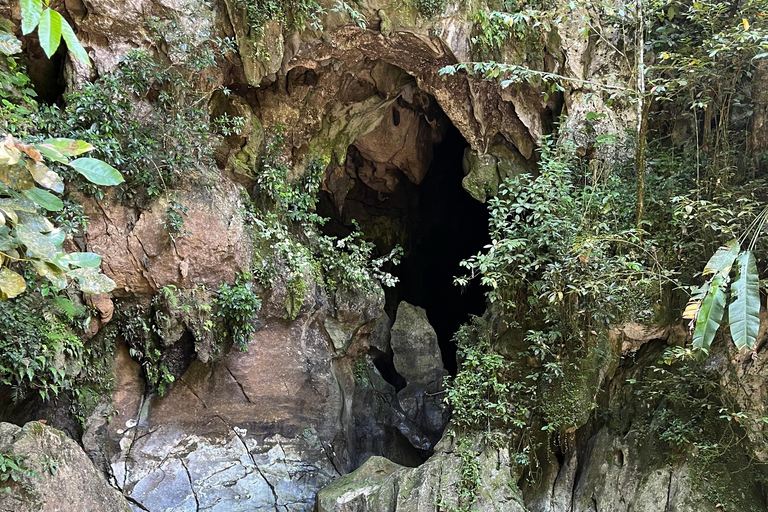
(29, 187)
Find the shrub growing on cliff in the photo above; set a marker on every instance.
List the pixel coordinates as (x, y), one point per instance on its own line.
(238, 307)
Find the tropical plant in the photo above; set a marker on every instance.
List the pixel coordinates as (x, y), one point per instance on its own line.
(26, 235)
(708, 303)
(51, 28)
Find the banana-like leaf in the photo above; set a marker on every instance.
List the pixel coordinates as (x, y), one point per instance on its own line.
(744, 311)
(694, 303)
(710, 314)
(723, 259)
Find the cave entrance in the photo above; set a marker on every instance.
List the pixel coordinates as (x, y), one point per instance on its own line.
(402, 183)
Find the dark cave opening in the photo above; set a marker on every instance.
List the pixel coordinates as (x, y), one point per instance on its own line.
(449, 226)
(46, 75)
(431, 216)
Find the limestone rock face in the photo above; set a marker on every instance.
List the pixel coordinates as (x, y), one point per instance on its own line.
(382, 486)
(414, 343)
(257, 428)
(141, 257)
(64, 478)
(418, 360)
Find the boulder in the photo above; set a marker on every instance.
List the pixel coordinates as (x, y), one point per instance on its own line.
(57, 475)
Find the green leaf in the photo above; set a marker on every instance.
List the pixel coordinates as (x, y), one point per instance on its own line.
(49, 31)
(16, 176)
(744, 311)
(73, 45)
(34, 222)
(45, 177)
(710, 314)
(31, 10)
(45, 199)
(723, 259)
(9, 45)
(57, 237)
(92, 281)
(38, 246)
(68, 147)
(97, 171)
(81, 259)
(20, 205)
(11, 283)
(50, 153)
(56, 276)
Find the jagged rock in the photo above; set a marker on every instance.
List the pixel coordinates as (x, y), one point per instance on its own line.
(414, 343)
(64, 478)
(140, 256)
(382, 486)
(418, 360)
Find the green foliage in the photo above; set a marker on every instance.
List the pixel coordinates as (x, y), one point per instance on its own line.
(238, 307)
(51, 28)
(288, 230)
(292, 14)
(494, 29)
(483, 394)
(707, 305)
(39, 351)
(346, 10)
(562, 251)
(12, 469)
(429, 8)
(26, 235)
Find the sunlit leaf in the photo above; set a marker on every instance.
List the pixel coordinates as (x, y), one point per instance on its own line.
(56, 276)
(10, 214)
(49, 31)
(16, 176)
(73, 45)
(744, 311)
(50, 153)
(31, 10)
(710, 314)
(92, 281)
(723, 259)
(35, 222)
(11, 283)
(21, 205)
(68, 147)
(81, 259)
(97, 171)
(38, 246)
(9, 45)
(46, 177)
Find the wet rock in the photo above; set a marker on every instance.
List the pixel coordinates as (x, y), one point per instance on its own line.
(63, 477)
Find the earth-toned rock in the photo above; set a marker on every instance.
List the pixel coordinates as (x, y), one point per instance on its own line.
(51, 474)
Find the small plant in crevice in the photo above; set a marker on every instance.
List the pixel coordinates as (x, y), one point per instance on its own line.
(12, 469)
(429, 8)
(238, 307)
(345, 10)
(174, 219)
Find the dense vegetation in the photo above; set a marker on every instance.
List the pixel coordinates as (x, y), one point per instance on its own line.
(617, 232)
